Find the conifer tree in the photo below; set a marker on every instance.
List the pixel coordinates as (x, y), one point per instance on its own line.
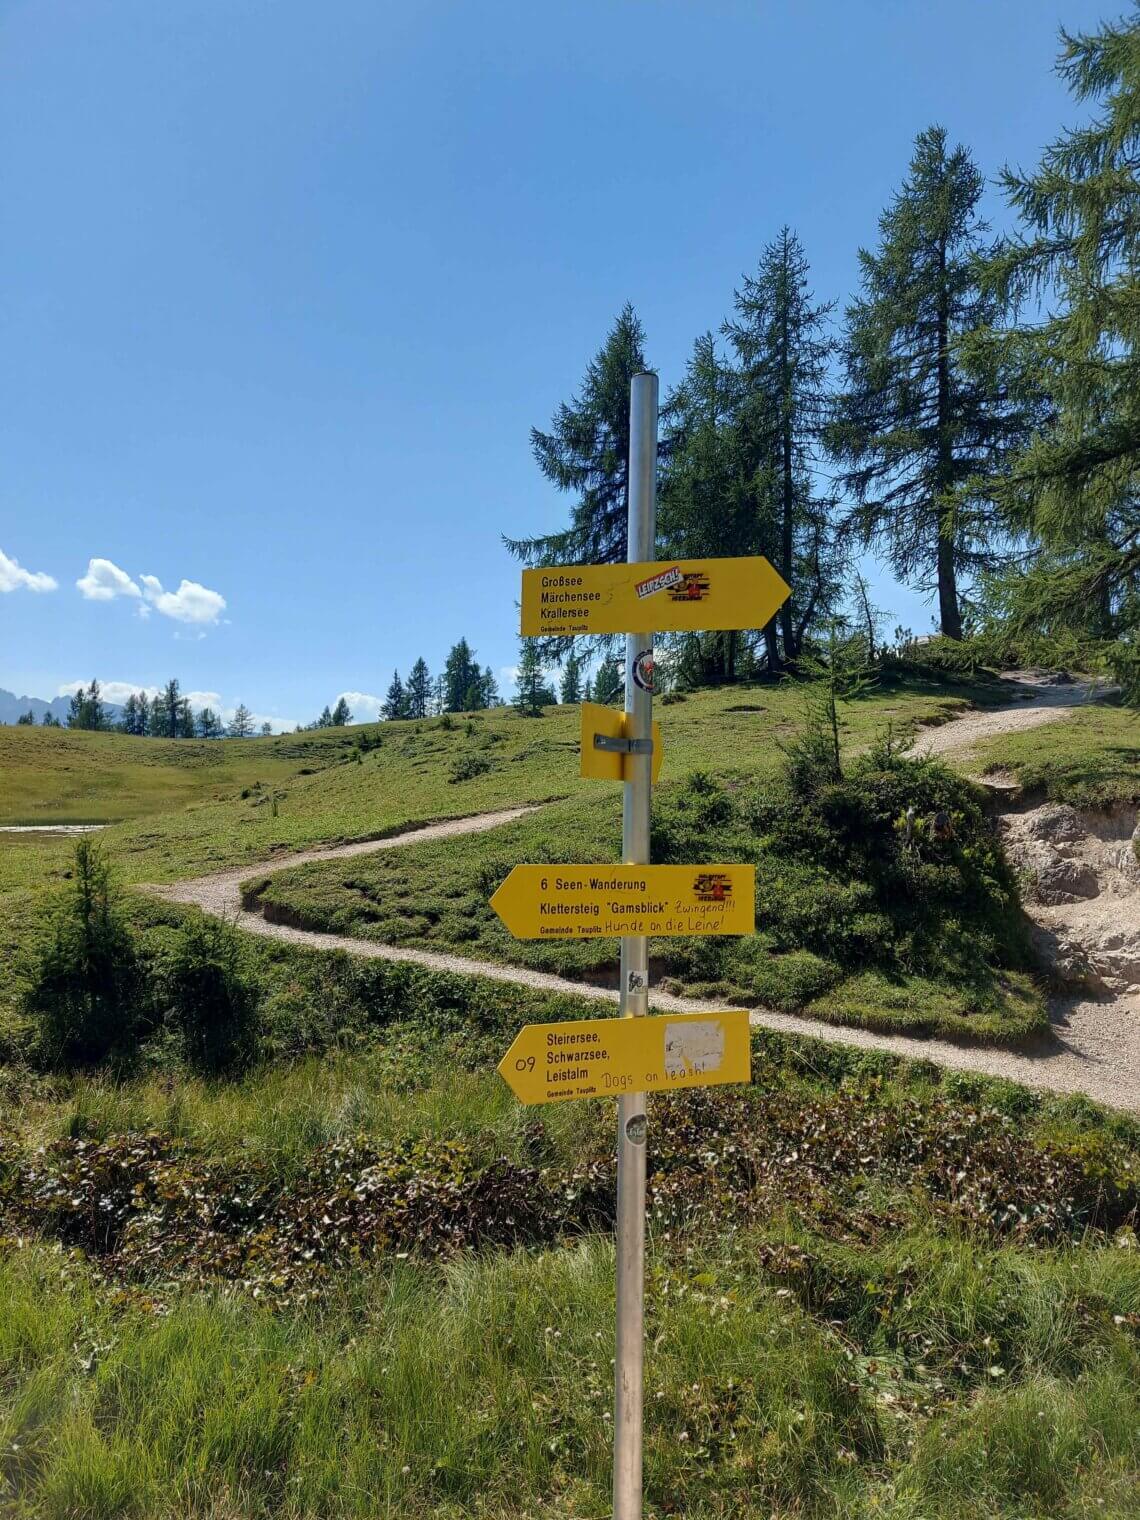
(209, 724)
(396, 702)
(129, 722)
(142, 722)
(571, 690)
(241, 724)
(530, 684)
(1073, 488)
(488, 689)
(341, 714)
(914, 426)
(186, 725)
(164, 711)
(419, 690)
(171, 700)
(473, 700)
(460, 676)
(86, 708)
(588, 689)
(609, 682)
(49, 720)
(782, 348)
(586, 452)
(706, 507)
(26, 720)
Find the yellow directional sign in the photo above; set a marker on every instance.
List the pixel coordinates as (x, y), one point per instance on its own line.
(607, 761)
(594, 902)
(665, 596)
(602, 1058)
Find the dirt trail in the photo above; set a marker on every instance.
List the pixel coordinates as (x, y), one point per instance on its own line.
(1095, 1048)
(1039, 698)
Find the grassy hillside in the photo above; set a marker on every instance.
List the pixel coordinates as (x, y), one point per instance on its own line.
(852, 926)
(259, 798)
(54, 775)
(191, 794)
(1088, 760)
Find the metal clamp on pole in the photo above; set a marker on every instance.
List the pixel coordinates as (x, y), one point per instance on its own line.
(615, 745)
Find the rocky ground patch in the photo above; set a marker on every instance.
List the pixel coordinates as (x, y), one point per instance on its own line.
(1082, 876)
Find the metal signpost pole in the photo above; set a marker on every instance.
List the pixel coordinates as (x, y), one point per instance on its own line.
(632, 1125)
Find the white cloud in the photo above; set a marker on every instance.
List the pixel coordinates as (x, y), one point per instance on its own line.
(191, 603)
(508, 675)
(365, 708)
(278, 725)
(104, 581)
(13, 577)
(115, 692)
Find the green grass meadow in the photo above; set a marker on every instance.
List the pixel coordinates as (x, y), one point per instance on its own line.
(870, 1292)
(357, 1279)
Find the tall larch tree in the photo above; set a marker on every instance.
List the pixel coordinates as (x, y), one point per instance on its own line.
(1074, 487)
(571, 687)
(241, 724)
(586, 452)
(531, 693)
(704, 507)
(915, 426)
(782, 349)
(461, 677)
(396, 701)
(419, 690)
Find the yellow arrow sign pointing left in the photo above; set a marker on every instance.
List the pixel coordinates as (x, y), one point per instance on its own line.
(596, 902)
(603, 1058)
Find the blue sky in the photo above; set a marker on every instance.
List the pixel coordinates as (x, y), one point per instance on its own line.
(284, 287)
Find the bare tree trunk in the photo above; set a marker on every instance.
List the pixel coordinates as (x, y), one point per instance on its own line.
(772, 645)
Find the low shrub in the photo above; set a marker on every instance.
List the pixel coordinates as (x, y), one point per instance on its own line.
(211, 1004)
(86, 988)
(467, 767)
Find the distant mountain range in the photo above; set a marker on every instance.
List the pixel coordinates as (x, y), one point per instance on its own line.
(13, 707)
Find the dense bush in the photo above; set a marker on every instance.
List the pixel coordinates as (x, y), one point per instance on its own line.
(211, 1004)
(467, 767)
(85, 988)
(893, 866)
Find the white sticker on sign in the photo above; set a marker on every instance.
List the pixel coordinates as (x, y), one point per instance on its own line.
(691, 1047)
(662, 582)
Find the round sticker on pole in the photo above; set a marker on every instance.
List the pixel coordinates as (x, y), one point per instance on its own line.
(643, 669)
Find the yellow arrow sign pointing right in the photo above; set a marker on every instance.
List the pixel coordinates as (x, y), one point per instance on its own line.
(659, 595)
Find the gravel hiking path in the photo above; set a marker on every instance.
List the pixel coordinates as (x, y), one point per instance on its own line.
(1094, 1049)
(1040, 698)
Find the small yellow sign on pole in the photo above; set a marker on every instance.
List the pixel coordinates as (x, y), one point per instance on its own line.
(606, 744)
(594, 902)
(666, 596)
(603, 1058)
